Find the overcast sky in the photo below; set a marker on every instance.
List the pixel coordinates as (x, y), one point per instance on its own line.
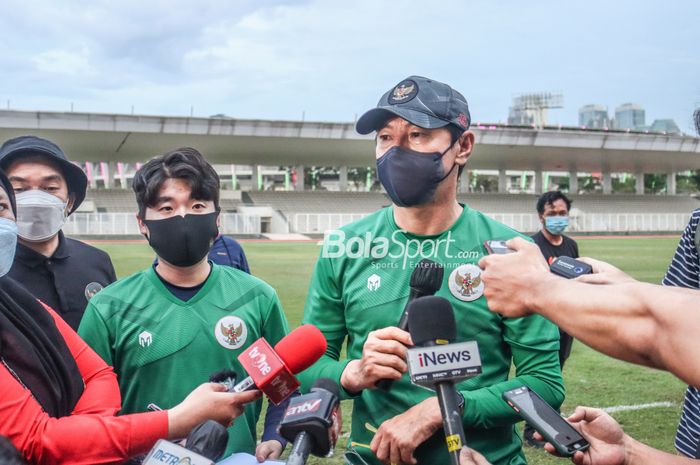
(332, 60)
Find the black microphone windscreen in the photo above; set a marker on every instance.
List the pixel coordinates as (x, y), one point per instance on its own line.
(208, 439)
(426, 278)
(431, 318)
(327, 384)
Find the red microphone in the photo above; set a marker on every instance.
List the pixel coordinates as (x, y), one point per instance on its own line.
(272, 370)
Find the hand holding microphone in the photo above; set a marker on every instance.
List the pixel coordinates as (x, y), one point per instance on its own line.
(272, 370)
(438, 362)
(426, 280)
(312, 422)
(384, 352)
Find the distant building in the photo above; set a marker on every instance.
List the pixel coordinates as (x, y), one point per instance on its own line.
(630, 116)
(666, 126)
(594, 116)
(531, 109)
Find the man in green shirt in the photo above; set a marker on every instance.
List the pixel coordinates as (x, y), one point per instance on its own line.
(166, 329)
(361, 284)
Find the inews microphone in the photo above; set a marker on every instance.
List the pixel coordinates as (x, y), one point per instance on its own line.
(204, 445)
(437, 362)
(426, 279)
(272, 370)
(308, 421)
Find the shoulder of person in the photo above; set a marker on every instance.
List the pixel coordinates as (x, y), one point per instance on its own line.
(121, 288)
(82, 248)
(229, 274)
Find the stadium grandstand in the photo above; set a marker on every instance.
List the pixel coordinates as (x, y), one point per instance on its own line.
(294, 177)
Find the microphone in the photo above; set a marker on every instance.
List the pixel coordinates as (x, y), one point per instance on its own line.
(208, 439)
(205, 444)
(437, 362)
(308, 422)
(272, 370)
(426, 279)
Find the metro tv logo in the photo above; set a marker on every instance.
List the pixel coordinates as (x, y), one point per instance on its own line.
(433, 358)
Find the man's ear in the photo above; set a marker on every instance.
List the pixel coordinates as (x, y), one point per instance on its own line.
(143, 229)
(466, 145)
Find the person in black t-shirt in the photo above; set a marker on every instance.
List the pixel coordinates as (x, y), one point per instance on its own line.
(553, 210)
(63, 273)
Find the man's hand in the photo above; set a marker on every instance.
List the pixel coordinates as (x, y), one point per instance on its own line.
(510, 280)
(398, 437)
(383, 357)
(603, 273)
(268, 450)
(209, 401)
(469, 456)
(605, 436)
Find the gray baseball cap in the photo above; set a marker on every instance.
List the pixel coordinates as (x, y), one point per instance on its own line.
(421, 101)
(23, 146)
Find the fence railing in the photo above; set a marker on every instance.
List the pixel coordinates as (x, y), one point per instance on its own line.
(124, 224)
(317, 223)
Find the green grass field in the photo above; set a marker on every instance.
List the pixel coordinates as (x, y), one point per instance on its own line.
(591, 378)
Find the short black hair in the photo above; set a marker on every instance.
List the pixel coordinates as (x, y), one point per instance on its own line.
(184, 163)
(549, 198)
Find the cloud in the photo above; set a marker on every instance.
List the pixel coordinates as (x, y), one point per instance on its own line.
(332, 60)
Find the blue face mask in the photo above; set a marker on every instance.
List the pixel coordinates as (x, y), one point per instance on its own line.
(556, 224)
(409, 177)
(8, 244)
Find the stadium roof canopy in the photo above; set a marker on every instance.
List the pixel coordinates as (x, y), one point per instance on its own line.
(136, 138)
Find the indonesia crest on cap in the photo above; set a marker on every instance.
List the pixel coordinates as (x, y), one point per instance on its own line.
(403, 92)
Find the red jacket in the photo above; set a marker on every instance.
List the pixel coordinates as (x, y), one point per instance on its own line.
(91, 434)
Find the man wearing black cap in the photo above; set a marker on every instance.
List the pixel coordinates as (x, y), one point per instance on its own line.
(361, 284)
(61, 272)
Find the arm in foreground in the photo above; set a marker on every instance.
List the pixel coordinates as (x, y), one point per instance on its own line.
(636, 322)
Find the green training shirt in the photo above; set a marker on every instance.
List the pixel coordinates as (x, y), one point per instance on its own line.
(361, 283)
(162, 348)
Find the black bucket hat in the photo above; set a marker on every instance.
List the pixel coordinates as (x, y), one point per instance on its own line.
(24, 146)
(421, 101)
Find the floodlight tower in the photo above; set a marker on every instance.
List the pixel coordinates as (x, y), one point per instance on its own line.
(531, 109)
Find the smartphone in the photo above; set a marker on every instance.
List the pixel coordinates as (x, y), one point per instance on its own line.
(569, 268)
(547, 421)
(497, 247)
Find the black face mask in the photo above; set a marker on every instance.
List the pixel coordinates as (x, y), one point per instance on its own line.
(410, 177)
(183, 241)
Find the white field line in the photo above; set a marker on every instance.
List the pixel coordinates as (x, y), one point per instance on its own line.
(626, 408)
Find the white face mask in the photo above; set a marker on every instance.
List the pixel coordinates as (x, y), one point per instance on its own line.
(40, 215)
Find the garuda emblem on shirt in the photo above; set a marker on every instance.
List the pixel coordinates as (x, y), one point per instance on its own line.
(231, 332)
(465, 282)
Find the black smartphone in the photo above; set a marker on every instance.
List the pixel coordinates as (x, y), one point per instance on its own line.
(569, 268)
(497, 247)
(547, 421)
